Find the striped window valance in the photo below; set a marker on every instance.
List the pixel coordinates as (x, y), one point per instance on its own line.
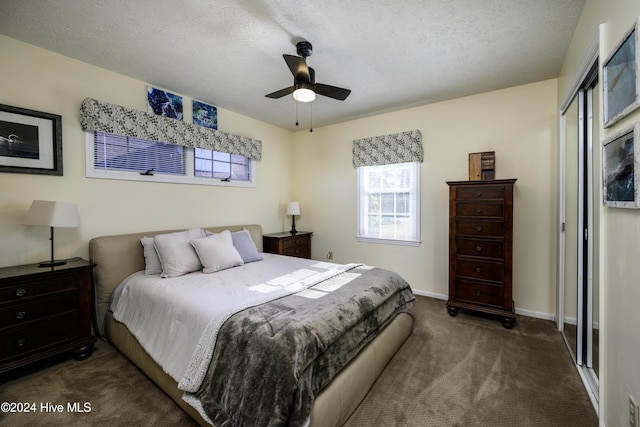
(403, 147)
(101, 116)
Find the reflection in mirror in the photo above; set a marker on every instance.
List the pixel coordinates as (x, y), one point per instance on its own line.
(571, 226)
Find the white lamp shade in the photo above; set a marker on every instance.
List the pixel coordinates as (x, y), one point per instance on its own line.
(52, 214)
(293, 208)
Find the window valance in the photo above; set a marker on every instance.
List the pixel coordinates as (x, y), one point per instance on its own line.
(400, 147)
(101, 116)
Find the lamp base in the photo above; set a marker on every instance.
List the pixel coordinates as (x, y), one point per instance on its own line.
(52, 263)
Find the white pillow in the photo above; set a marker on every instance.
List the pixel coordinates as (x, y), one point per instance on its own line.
(216, 252)
(177, 256)
(152, 263)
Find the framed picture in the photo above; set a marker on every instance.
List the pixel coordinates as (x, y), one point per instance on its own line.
(621, 79)
(205, 115)
(30, 141)
(621, 166)
(164, 103)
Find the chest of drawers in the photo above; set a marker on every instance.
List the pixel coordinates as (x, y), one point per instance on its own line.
(298, 245)
(481, 248)
(45, 311)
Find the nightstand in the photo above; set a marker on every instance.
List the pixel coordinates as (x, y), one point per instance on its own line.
(44, 312)
(298, 245)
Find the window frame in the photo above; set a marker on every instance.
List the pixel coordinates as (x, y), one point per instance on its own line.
(189, 178)
(414, 213)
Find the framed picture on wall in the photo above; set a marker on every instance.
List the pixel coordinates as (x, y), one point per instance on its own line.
(621, 166)
(621, 79)
(30, 141)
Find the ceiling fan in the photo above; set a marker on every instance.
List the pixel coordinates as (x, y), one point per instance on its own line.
(304, 87)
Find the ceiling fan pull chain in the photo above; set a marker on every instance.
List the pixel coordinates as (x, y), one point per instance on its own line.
(296, 114)
(311, 117)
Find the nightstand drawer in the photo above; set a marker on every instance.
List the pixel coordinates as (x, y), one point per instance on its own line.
(479, 293)
(295, 242)
(24, 340)
(32, 289)
(20, 314)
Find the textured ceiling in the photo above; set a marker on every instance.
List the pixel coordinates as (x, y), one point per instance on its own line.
(391, 54)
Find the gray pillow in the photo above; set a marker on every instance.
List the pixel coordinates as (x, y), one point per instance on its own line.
(152, 263)
(216, 252)
(177, 256)
(245, 246)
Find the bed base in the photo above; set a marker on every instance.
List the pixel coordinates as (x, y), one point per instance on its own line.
(332, 407)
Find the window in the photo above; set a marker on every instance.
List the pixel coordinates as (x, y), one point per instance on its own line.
(111, 156)
(389, 203)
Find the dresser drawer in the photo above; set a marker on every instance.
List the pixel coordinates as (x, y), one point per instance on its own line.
(479, 293)
(481, 248)
(23, 340)
(19, 314)
(477, 192)
(28, 290)
(480, 228)
(480, 269)
(475, 209)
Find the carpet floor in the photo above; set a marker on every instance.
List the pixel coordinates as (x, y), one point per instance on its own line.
(452, 371)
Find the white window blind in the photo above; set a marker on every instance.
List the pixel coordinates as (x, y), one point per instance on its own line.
(111, 156)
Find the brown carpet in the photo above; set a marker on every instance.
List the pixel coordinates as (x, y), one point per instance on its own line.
(452, 371)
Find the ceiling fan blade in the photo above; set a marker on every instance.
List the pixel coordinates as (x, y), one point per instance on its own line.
(280, 93)
(332, 91)
(298, 67)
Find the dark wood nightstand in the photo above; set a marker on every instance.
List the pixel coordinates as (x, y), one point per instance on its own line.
(44, 312)
(298, 244)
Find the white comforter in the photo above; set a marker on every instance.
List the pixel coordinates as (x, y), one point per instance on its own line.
(176, 320)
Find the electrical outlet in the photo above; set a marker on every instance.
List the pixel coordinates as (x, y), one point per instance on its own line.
(633, 412)
(329, 255)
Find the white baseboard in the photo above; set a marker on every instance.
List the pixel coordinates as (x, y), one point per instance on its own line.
(521, 311)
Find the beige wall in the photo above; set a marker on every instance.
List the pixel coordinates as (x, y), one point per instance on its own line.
(41, 80)
(519, 124)
(620, 233)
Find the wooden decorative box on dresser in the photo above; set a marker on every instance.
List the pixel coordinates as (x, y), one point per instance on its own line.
(298, 245)
(45, 311)
(480, 248)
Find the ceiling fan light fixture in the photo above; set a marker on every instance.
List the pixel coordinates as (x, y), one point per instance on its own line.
(303, 93)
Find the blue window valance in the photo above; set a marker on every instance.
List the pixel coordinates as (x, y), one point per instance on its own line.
(101, 116)
(403, 147)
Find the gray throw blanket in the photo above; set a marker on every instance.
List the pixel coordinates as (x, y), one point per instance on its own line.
(270, 361)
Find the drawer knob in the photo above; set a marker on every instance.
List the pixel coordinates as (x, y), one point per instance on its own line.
(478, 210)
(20, 292)
(21, 342)
(478, 193)
(296, 251)
(479, 228)
(477, 293)
(295, 242)
(478, 248)
(478, 270)
(20, 315)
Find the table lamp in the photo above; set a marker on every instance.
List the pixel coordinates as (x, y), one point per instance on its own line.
(293, 209)
(52, 214)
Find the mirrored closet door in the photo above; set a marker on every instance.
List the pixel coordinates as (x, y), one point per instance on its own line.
(578, 291)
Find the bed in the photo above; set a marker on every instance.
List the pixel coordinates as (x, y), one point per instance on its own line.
(329, 394)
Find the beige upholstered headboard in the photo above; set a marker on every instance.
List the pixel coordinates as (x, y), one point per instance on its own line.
(118, 256)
